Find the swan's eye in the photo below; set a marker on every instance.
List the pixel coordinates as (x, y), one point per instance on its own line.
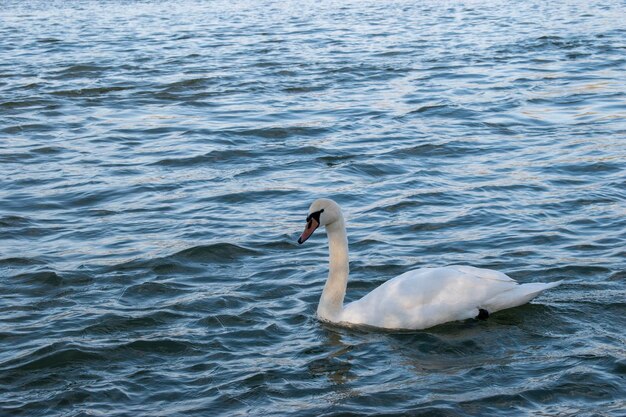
(315, 215)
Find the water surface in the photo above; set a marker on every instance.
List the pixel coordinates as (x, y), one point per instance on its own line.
(157, 160)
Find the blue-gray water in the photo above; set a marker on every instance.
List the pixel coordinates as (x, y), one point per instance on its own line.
(157, 160)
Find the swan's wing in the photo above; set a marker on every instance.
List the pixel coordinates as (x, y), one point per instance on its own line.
(482, 273)
(519, 295)
(426, 297)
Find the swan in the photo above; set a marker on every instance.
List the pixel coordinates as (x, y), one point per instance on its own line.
(417, 299)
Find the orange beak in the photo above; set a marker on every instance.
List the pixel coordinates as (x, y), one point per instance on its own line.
(311, 225)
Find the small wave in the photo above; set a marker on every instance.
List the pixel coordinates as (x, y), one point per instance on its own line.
(41, 278)
(619, 275)
(620, 367)
(283, 132)
(79, 71)
(218, 156)
(28, 127)
(190, 84)
(26, 104)
(432, 198)
(52, 279)
(56, 355)
(49, 40)
(335, 160)
(163, 346)
(306, 89)
(162, 266)
(21, 262)
(450, 149)
(444, 111)
(152, 289)
(230, 321)
(588, 168)
(90, 198)
(252, 196)
(89, 92)
(495, 188)
(16, 157)
(101, 212)
(114, 323)
(375, 170)
(280, 244)
(216, 252)
(48, 150)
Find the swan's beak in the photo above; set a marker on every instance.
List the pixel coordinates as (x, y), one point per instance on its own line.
(311, 225)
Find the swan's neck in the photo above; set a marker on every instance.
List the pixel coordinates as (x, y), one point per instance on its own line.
(331, 302)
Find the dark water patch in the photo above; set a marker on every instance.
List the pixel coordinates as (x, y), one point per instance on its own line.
(89, 92)
(48, 150)
(71, 398)
(27, 127)
(216, 300)
(482, 217)
(586, 168)
(335, 160)
(160, 346)
(520, 253)
(577, 386)
(617, 276)
(26, 103)
(79, 71)
(101, 213)
(451, 150)
(20, 262)
(282, 132)
(300, 89)
(115, 323)
(234, 156)
(258, 197)
(254, 169)
(151, 290)
(159, 159)
(52, 356)
(160, 266)
(173, 268)
(620, 367)
(373, 169)
(280, 244)
(229, 321)
(216, 252)
(49, 40)
(510, 187)
(91, 198)
(46, 278)
(149, 131)
(50, 288)
(413, 202)
(500, 128)
(574, 205)
(190, 84)
(574, 269)
(442, 110)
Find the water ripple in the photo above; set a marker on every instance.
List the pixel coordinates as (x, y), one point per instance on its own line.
(158, 158)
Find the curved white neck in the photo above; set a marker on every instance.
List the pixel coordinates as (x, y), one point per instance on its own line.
(331, 302)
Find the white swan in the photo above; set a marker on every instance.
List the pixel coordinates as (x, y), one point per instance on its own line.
(416, 299)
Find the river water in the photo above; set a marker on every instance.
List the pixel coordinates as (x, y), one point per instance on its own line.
(157, 160)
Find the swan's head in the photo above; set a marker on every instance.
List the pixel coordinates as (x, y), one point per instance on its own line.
(321, 213)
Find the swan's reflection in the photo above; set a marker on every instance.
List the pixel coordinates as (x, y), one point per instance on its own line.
(336, 363)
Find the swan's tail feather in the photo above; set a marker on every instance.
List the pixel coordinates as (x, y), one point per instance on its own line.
(517, 296)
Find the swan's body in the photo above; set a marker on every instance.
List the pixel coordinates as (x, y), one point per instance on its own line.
(416, 299)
